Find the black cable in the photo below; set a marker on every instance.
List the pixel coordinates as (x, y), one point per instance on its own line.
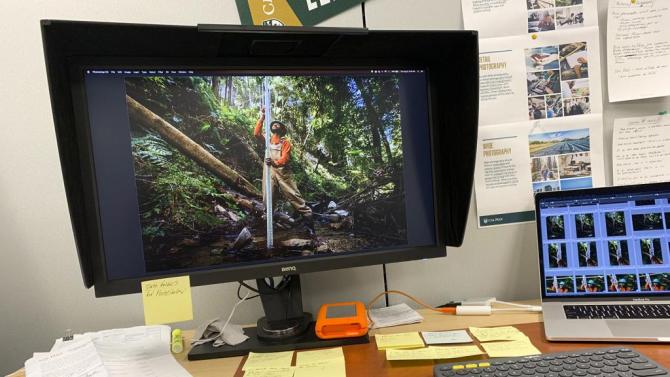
(386, 286)
(363, 12)
(239, 296)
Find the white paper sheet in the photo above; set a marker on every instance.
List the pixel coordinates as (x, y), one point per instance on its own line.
(394, 315)
(641, 150)
(638, 49)
(79, 358)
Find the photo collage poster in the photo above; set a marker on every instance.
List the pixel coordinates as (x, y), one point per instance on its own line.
(540, 111)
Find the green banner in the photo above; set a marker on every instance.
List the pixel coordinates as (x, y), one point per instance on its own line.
(290, 12)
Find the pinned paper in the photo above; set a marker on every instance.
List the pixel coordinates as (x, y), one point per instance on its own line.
(433, 353)
(515, 348)
(446, 337)
(270, 372)
(399, 340)
(320, 357)
(488, 334)
(167, 300)
(268, 360)
(320, 371)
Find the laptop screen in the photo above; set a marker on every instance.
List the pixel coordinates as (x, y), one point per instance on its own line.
(605, 242)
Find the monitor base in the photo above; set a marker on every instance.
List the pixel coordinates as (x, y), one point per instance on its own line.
(254, 344)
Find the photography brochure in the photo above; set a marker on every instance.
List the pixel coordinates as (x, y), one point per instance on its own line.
(638, 49)
(516, 160)
(641, 150)
(495, 18)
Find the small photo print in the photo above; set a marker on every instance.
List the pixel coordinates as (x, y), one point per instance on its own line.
(584, 225)
(542, 58)
(554, 106)
(575, 88)
(618, 252)
(651, 251)
(588, 254)
(561, 142)
(574, 61)
(577, 106)
(544, 169)
(647, 221)
(575, 165)
(622, 283)
(546, 186)
(543, 82)
(591, 283)
(569, 17)
(567, 3)
(615, 223)
(537, 109)
(542, 20)
(558, 257)
(540, 4)
(576, 183)
(555, 227)
(658, 282)
(560, 284)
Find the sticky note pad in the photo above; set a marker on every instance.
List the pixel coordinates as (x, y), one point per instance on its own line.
(515, 348)
(489, 334)
(270, 372)
(446, 337)
(167, 300)
(320, 357)
(455, 352)
(320, 371)
(410, 354)
(399, 340)
(268, 360)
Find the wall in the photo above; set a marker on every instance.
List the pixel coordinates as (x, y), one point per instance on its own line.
(40, 288)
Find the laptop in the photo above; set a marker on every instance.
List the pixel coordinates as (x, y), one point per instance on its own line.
(605, 263)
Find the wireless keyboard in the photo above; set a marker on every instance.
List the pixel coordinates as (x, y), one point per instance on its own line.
(615, 361)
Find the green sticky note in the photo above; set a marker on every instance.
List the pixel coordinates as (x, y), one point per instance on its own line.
(290, 12)
(167, 300)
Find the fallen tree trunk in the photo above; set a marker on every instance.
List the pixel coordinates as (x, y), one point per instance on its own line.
(190, 148)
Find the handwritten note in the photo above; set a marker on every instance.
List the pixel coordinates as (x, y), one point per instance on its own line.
(432, 353)
(167, 300)
(489, 334)
(268, 360)
(320, 371)
(641, 150)
(446, 337)
(270, 372)
(399, 340)
(515, 348)
(638, 49)
(320, 357)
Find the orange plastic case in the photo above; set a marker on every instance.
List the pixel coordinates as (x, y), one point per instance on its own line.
(346, 320)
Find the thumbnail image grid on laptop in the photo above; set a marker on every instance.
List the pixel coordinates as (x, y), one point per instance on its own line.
(615, 244)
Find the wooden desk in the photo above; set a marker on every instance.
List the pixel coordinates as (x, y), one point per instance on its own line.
(365, 360)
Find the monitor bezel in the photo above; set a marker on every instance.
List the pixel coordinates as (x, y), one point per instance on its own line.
(600, 191)
(107, 287)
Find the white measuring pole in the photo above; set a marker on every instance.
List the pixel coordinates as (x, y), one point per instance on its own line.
(266, 179)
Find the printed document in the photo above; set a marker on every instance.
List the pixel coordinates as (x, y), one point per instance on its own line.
(641, 150)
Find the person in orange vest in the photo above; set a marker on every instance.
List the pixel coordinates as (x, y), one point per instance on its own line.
(280, 172)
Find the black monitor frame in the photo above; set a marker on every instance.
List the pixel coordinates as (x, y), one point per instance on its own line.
(449, 58)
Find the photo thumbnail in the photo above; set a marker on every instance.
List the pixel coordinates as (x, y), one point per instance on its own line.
(542, 20)
(546, 186)
(588, 254)
(569, 17)
(555, 227)
(558, 257)
(543, 82)
(574, 61)
(615, 223)
(651, 251)
(591, 283)
(561, 142)
(647, 221)
(575, 165)
(655, 282)
(584, 225)
(577, 106)
(544, 169)
(542, 58)
(622, 283)
(559, 284)
(540, 4)
(618, 252)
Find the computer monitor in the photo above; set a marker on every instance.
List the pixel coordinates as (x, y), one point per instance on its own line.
(235, 153)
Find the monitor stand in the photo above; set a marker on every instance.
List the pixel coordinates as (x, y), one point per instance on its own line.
(285, 326)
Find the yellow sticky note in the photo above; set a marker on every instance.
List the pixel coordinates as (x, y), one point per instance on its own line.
(515, 348)
(399, 340)
(270, 372)
(337, 370)
(320, 357)
(268, 360)
(167, 300)
(488, 334)
(455, 352)
(410, 354)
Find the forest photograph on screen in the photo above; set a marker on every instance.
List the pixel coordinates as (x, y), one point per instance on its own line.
(333, 164)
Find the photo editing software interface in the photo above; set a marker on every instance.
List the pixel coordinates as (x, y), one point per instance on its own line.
(613, 244)
(183, 164)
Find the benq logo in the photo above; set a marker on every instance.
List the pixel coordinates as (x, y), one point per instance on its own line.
(289, 268)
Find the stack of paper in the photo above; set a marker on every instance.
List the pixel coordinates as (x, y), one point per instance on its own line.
(514, 342)
(395, 315)
(135, 351)
(399, 340)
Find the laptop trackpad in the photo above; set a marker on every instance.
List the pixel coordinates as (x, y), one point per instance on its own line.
(639, 328)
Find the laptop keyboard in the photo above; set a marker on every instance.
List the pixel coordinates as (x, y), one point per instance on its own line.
(601, 362)
(638, 311)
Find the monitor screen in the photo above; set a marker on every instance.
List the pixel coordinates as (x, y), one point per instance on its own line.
(605, 244)
(182, 162)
